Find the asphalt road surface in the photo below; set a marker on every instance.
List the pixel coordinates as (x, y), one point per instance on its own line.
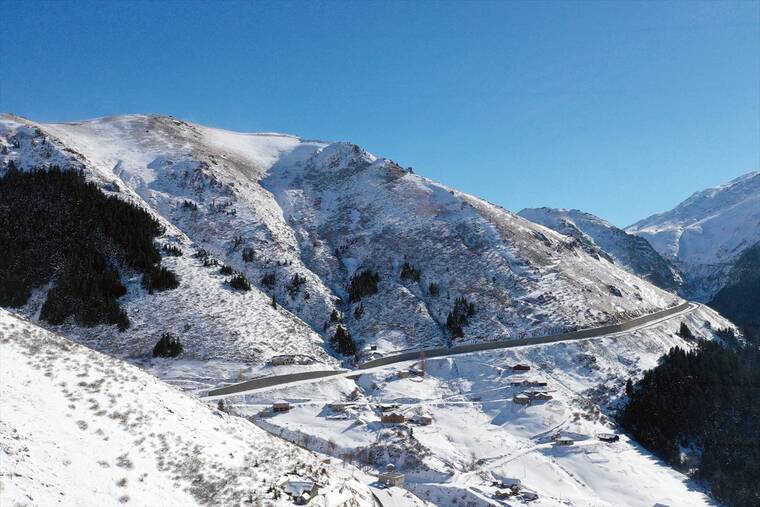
(307, 376)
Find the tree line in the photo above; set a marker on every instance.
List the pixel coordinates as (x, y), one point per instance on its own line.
(55, 226)
(705, 400)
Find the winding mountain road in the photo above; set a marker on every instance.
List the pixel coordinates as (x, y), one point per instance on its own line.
(274, 381)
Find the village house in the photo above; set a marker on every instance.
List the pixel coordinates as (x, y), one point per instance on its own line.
(608, 437)
(509, 483)
(529, 383)
(392, 418)
(391, 477)
(299, 489)
(282, 360)
(521, 399)
(564, 440)
(539, 395)
(422, 420)
(280, 406)
(337, 407)
(287, 359)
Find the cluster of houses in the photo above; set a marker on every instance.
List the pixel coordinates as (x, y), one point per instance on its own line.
(560, 439)
(508, 488)
(389, 414)
(528, 397)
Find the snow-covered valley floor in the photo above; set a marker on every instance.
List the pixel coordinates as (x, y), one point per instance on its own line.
(479, 437)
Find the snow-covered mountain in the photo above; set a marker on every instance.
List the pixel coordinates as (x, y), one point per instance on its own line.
(707, 232)
(329, 234)
(300, 219)
(629, 251)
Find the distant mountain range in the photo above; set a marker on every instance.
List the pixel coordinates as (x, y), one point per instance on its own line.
(632, 252)
(705, 234)
(705, 248)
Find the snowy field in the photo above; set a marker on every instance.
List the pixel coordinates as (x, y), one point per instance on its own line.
(80, 428)
(480, 437)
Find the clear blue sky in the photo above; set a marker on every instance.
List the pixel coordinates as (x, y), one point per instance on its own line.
(620, 109)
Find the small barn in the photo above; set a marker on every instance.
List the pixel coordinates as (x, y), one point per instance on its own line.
(300, 490)
(422, 420)
(392, 418)
(608, 437)
(282, 360)
(521, 367)
(564, 441)
(391, 477)
(280, 406)
(521, 399)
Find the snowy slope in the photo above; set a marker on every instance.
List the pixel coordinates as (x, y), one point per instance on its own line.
(324, 211)
(479, 435)
(81, 428)
(707, 232)
(631, 252)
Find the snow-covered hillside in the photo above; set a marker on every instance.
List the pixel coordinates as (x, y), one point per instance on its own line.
(707, 232)
(479, 437)
(300, 218)
(632, 252)
(80, 428)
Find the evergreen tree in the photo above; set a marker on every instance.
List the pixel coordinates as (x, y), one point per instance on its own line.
(268, 280)
(629, 388)
(409, 272)
(707, 398)
(343, 342)
(167, 346)
(240, 282)
(362, 284)
(684, 332)
(459, 317)
(55, 226)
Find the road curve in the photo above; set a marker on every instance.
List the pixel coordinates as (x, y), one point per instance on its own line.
(276, 380)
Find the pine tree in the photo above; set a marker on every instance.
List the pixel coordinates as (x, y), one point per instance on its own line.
(167, 346)
(684, 332)
(343, 342)
(240, 282)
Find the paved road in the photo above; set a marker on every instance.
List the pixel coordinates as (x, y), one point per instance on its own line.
(303, 377)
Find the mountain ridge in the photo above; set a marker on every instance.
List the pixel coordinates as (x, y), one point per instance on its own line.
(705, 234)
